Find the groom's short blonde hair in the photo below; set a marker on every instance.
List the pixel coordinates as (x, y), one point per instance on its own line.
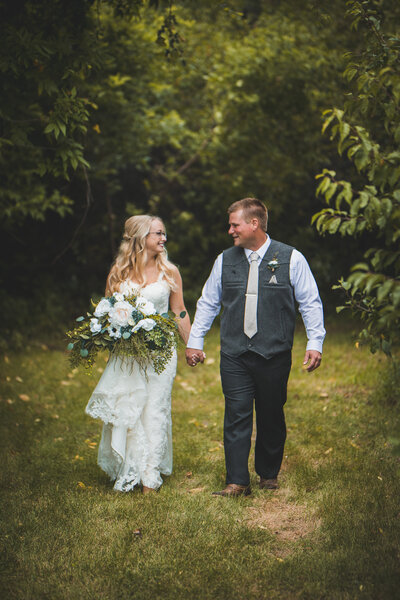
(252, 209)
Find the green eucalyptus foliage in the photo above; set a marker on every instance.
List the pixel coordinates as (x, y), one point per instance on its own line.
(367, 132)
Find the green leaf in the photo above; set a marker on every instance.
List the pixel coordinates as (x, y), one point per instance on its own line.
(360, 267)
(386, 347)
(334, 224)
(384, 290)
(340, 308)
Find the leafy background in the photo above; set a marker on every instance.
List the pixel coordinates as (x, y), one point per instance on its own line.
(117, 107)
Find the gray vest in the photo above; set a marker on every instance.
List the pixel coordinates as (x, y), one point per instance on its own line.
(276, 310)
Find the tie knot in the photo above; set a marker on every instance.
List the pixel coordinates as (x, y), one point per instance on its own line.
(253, 256)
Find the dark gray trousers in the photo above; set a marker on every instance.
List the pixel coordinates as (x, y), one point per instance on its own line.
(247, 378)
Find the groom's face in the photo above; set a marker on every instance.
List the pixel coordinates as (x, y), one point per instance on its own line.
(242, 233)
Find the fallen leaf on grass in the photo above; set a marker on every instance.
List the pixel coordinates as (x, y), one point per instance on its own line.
(81, 485)
(24, 397)
(19, 379)
(55, 416)
(210, 361)
(188, 474)
(354, 445)
(65, 382)
(324, 395)
(137, 533)
(6, 359)
(380, 478)
(279, 559)
(8, 379)
(328, 451)
(90, 443)
(9, 401)
(44, 347)
(214, 449)
(77, 457)
(196, 490)
(186, 386)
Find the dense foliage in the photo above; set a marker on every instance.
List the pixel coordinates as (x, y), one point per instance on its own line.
(367, 131)
(119, 107)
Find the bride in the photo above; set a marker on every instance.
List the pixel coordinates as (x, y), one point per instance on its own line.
(136, 441)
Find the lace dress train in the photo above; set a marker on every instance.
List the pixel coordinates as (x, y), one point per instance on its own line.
(136, 441)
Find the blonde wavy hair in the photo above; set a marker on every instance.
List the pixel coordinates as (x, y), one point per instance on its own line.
(132, 256)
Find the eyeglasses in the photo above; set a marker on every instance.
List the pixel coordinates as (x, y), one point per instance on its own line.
(159, 234)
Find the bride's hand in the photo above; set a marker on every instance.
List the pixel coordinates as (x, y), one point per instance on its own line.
(194, 356)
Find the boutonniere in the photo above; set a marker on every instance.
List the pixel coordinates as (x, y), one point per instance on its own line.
(273, 264)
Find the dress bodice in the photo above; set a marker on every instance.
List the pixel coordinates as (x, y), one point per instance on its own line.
(157, 292)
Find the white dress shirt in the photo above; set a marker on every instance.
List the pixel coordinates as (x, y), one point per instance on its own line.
(305, 292)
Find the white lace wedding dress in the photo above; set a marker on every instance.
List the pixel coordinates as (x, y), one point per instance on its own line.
(136, 441)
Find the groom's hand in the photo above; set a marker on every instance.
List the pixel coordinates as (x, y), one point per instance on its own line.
(312, 359)
(194, 356)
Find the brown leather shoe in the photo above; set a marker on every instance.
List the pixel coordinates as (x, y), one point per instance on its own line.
(234, 490)
(268, 484)
(147, 490)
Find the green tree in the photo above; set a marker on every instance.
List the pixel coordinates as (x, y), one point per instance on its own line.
(367, 131)
(178, 134)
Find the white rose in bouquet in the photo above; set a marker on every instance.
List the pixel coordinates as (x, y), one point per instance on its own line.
(146, 324)
(145, 306)
(119, 296)
(114, 332)
(95, 326)
(120, 314)
(102, 308)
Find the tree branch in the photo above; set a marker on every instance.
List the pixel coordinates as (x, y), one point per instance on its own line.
(89, 202)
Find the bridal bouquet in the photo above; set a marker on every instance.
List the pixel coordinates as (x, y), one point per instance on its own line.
(127, 326)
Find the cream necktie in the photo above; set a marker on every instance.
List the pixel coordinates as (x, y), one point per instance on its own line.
(250, 309)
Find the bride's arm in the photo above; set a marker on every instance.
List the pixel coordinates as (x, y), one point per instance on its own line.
(177, 306)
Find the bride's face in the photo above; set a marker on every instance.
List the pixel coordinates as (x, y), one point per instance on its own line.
(156, 238)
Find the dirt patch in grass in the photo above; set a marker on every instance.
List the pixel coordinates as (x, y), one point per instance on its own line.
(287, 520)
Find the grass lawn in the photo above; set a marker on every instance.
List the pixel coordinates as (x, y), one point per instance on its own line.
(331, 531)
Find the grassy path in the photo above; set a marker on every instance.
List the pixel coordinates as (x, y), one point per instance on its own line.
(330, 532)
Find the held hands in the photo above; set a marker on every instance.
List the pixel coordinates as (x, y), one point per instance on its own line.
(194, 356)
(312, 358)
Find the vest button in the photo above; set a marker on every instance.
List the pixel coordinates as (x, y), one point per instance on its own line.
(250, 345)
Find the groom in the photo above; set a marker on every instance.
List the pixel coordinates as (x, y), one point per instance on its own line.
(258, 282)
